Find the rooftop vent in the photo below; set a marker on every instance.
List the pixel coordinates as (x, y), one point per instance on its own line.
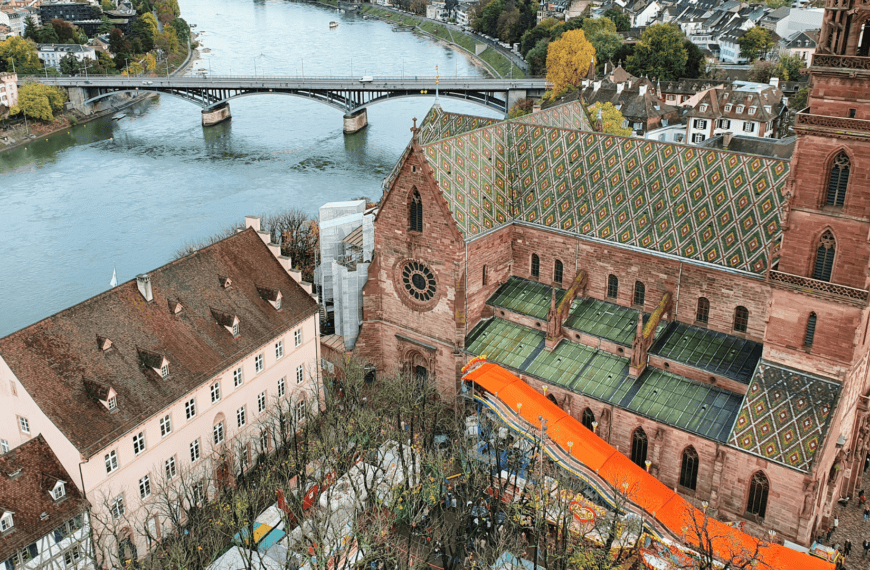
(43, 516)
(175, 306)
(103, 343)
(226, 282)
(143, 281)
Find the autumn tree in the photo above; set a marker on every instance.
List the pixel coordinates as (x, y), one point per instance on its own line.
(568, 60)
(715, 544)
(299, 237)
(145, 30)
(182, 30)
(22, 53)
(762, 71)
(788, 68)
(167, 40)
(601, 33)
(755, 43)
(660, 53)
(66, 32)
(612, 119)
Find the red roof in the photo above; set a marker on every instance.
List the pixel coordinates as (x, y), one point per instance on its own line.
(660, 502)
(53, 358)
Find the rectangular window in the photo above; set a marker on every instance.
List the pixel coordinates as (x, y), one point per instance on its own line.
(297, 337)
(71, 556)
(171, 470)
(111, 461)
(194, 451)
(240, 416)
(238, 377)
(198, 492)
(218, 433)
(258, 363)
(300, 410)
(261, 402)
(145, 487)
(700, 123)
(139, 443)
(749, 127)
(264, 441)
(279, 349)
(164, 371)
(117, 507)
(282, 387)
(4, 445)
(24, 425)
(300, 374)
(165, 425)
(483, 278)
(113, 404)
(190, 408)
(638, 126)
(215, 392)
(236, 329)
(697, 137)
(724, 124)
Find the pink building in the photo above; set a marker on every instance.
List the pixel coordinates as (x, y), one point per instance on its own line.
(169, 376)
(9, 89)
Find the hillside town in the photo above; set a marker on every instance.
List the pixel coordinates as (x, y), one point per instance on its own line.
(618, 321)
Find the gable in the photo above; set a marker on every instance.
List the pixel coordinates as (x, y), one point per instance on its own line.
(709, 205)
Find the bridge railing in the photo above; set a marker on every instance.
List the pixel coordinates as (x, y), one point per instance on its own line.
(353, 78)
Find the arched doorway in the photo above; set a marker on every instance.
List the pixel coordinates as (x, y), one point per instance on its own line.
(417, 367)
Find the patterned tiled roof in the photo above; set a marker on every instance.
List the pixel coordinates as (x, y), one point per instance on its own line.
(785, 415)
(704, 204)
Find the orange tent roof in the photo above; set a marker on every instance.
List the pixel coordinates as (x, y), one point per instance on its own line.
(668, 508)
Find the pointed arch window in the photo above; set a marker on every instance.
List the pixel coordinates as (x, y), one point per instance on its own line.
(612, 286)
(702, 315)
(838, 180)
(536, 266)
(416, 213)
(639, 445)
(811, 330)
(588, 418)
(689, 469)
(825, 257)
(758, 490)
(639, 293)
(557, 271)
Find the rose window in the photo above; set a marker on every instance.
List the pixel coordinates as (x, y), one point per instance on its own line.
(419, 281)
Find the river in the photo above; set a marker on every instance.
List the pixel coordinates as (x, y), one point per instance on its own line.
(128, 194)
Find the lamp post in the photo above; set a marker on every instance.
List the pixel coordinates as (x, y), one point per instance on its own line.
(647, 463)
(595, 428)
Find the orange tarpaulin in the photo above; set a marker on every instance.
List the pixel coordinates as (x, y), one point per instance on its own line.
(667, 507)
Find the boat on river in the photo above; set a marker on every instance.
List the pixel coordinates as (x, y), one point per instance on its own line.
(118, 116)
(333, 24)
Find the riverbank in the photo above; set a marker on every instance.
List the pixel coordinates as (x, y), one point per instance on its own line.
(491, 58)
(21, 134)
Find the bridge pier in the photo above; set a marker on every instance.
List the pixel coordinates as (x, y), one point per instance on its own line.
(356, 121)
(216, 115)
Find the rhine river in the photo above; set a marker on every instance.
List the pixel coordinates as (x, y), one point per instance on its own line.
(130, 193)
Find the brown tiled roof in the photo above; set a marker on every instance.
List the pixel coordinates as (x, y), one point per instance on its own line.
(28, 494)
(53, 357)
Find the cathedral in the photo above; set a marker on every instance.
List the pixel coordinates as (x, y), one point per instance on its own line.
(703, 311)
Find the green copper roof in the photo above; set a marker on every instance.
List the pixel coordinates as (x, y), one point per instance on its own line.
(785, 416)
(526, 297)
(716, 352)
(662, 396)
(606, 320)
(547, 169)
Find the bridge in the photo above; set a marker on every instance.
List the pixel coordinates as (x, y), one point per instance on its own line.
(351, 95)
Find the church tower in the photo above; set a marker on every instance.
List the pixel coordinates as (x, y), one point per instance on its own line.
(819, 272)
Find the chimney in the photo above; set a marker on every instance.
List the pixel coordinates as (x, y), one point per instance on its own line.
(619, 87)
(143, 281)
(252, 222)
(774, 81)
(596, 85)
(726, 139)
(641, 90)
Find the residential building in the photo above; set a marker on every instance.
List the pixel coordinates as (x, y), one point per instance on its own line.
(463, 14)
(51, 54)
(786, 21)
(69, 11)
(15, 18)
(672, 133)
(704, 308)
(746, 108)
(5, 32)
(635, 98)
(801, 44)
(43, 515)
(175, 374)
(8, 89)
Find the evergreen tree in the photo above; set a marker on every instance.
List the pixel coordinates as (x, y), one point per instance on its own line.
(30, 28)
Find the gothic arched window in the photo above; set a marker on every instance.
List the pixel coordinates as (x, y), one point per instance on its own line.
(588, 418)
(825, 257)
(689, 469)
(702, 315)
(741, 319)
(758, 489)
(416, 213)
(638, 447)
(838, 180)
(612, 286)
(536, 266)
(811, 330)
(639, 293)
(557, 272)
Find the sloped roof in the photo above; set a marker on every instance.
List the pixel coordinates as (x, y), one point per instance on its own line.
(785, 415)
(28, 494)
(714, 206)
(53, 357)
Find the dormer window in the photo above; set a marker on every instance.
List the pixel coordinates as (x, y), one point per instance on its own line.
(175, 307)
(112, 404)
(728, 108)
(235, 329)
(270, 295)
(226, 320)
(752, 110)
(6, 523)
(739, 108)
(767, 108)
(155, 361)
(59, 491)
(104, 344)
(226, 282)
(164, 371)
(703, 107)
(725, 95)
(278, 303)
